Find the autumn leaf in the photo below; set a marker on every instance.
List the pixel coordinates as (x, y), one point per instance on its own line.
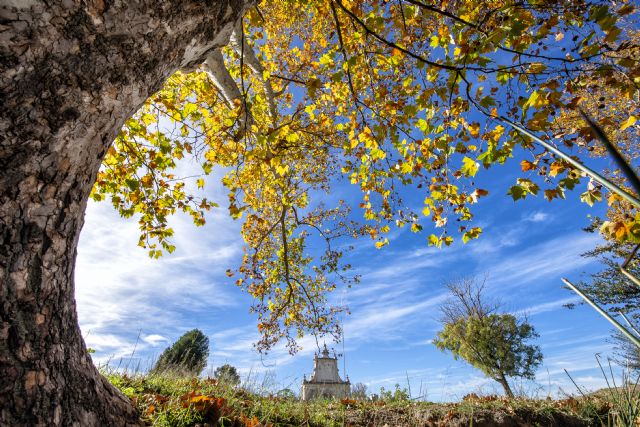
(555, 168)
(474, 129)
(388, 99)
(629, 122)
(469, 166)
(526, 165)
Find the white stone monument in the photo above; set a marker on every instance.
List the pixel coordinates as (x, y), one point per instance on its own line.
(325, 381)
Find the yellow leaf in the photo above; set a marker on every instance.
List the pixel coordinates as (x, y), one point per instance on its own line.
(555, 168)
(629, 122)
(474, 129)
(282, 169)
(147, 181)
(620, 230)
(536, 100)
(380, 244)
(469, 166)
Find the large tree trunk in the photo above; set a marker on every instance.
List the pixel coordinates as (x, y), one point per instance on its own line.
(502, 379)
(71, 72)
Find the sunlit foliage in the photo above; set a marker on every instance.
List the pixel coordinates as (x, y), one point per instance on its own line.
(394, 97)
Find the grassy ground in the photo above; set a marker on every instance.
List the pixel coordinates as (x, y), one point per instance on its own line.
(165, 401)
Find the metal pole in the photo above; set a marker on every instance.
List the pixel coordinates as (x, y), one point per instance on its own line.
(633, 328)
(630, 276)
(602, 180)
(623, 267)
(625, 167)
(606, 315)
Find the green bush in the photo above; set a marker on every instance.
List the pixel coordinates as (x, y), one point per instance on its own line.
(186, 357)
(227, 374)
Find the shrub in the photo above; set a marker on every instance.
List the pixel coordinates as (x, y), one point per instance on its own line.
(186, 357)
(227, 374)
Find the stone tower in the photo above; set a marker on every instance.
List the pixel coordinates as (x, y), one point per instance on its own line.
(325, 381)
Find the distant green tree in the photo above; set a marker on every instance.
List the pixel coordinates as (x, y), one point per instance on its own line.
(359, 391)
(626, 354)
(492, 342)
(286, 393)
(612, 290)
(227, 374)
(396, 395)
(186, 357)
(608, 286)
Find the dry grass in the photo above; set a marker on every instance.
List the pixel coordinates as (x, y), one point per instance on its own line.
(178, 402)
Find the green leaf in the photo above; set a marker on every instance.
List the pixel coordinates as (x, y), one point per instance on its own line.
(517, 192)
(133, 184)
(487, 102)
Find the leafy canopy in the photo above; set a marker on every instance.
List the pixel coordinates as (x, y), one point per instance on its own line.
(495, 343)
(186, 357)
(391, 96)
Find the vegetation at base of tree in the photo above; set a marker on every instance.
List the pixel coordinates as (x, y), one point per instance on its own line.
(399, 98)
(227, 374)
(186, 357)
(174, 402)
(495, 343)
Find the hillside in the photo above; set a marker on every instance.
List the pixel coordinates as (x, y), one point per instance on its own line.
(164, 401)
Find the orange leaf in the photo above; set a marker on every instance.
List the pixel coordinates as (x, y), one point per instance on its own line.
(527, 165)
(474, 129)
(556, 168)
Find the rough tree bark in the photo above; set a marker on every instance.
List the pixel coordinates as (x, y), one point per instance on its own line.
(502, 379)
(71, 72)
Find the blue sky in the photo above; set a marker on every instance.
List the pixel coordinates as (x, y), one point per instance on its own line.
(129, 304)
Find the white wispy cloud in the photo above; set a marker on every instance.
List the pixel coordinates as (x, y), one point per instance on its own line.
(550, 259)
(155, 340)
(537, 216)
(378, 321)
(122, 294)
(547, 306)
